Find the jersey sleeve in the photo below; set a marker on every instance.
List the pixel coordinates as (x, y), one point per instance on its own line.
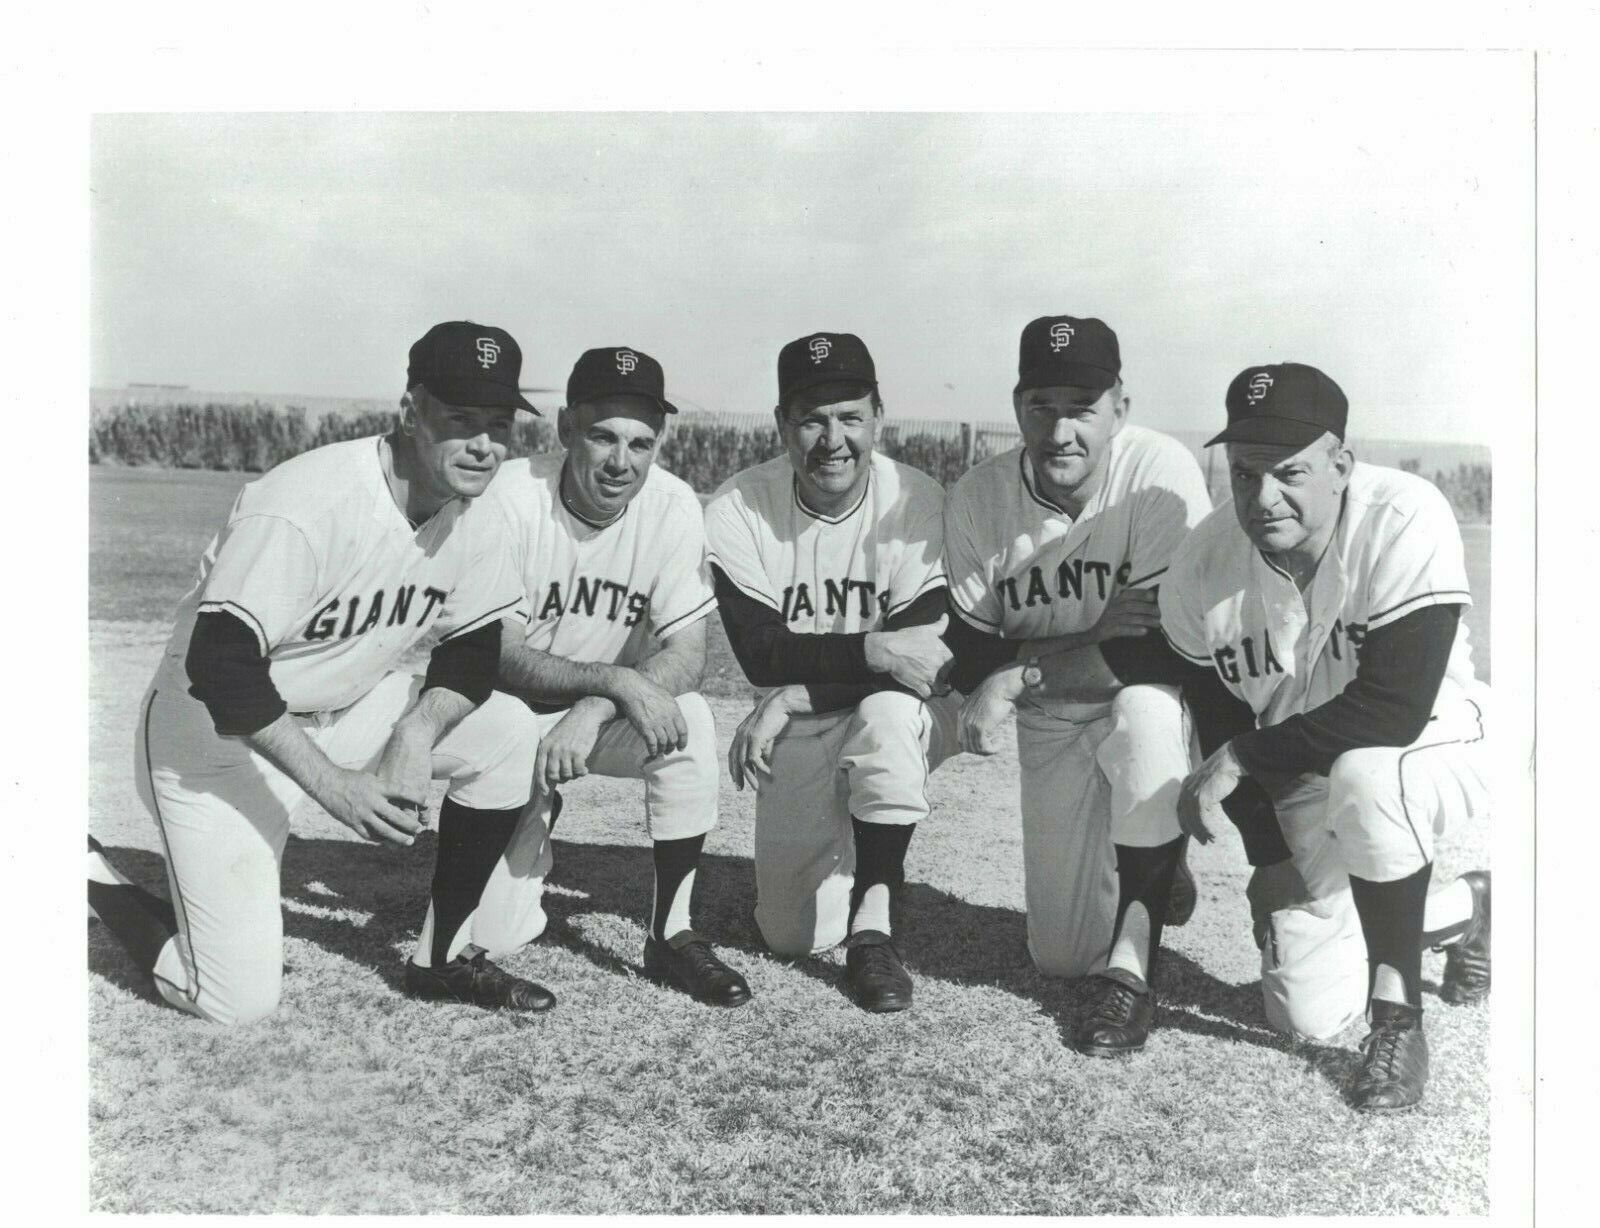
(683, 592)
(489, 586)
(920, 567)
(1173, 502)
(972, 595)
(264, 573)
(1421, 564)
(1182, 620)
(731, 546)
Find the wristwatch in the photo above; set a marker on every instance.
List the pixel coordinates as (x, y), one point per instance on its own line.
(1032, 675)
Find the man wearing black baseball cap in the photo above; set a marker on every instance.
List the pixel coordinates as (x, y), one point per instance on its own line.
(1342, 721)
(828, 575)
(287, 675)
(610, 548)
(1055, 551)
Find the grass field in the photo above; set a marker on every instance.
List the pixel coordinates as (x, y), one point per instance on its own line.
(628, 1098)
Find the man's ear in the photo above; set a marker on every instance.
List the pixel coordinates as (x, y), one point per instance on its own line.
(778, 419)
(408, 413)
(1120, 411)
(565, 431)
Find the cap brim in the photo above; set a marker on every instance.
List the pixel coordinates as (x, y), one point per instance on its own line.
(476, 393)
(1067, 375)
(813, 379)
(1280, 432)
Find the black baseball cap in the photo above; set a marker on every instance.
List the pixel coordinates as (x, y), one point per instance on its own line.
(1285, 403)
(1063, 350)
(821, 358)
(615, 369)
(469, 364)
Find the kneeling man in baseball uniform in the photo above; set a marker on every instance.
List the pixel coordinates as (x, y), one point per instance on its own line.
(611, 551)
(1346, 728)
(829, 580)
(1055, 551)
(282, 679)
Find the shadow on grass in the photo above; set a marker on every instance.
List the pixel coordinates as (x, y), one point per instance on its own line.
(365, 903)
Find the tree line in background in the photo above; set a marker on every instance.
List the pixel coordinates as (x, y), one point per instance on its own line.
(254, 437)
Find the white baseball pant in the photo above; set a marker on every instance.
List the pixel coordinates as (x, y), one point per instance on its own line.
(872, 763)
(680, 800)
(1093, 776)
(223, 814)
(1376, 816)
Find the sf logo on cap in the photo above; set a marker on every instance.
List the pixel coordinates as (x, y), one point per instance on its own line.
(627, 360)
(1060, 336)
(1259, 383)
(820, 348)
(488, 352)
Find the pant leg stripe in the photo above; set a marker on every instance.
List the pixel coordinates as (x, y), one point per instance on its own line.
(191, 991)
(1400, 770)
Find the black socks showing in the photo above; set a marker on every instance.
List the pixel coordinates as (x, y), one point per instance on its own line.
(1391, 922)
(470, 843)
(1144, 876)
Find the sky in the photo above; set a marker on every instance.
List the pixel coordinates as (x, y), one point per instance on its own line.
(302, 253)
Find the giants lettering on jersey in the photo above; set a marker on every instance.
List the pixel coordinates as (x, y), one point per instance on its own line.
(797, 602)
(326, 621)
(1070, 575)
(596, 598)
(1253, 655)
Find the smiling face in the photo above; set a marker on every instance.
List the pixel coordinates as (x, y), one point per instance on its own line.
(1287, 499)
(455, 449)
(829, 432)
(1067, 431)
(611, 443)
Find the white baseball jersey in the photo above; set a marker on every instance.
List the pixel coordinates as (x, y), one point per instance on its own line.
(337, 584)
(846, 573)
(1022, 568)
(598, 593)
(1396, 549)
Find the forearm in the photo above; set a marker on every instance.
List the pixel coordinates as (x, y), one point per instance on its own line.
(1388, 703)
(677, 668)
(542, 677)
(285, 745)
(437, 711)
(772, 655)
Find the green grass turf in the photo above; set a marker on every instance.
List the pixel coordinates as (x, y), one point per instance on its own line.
(629, 1098)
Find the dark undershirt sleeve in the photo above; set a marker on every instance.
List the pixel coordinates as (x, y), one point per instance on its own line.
(1388, 704)
(772, 655)
(1144, 660)
(833, 696)
(1220, 716)
(228, 674)
(977, 653)
(467, 664)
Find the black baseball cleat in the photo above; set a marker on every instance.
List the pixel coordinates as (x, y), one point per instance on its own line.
(476, 981)
(1121, 1011)
(1181, 901)
(1466, 961)
(1394, 1060)
(96, 847)
(877, 980)
(686, 962)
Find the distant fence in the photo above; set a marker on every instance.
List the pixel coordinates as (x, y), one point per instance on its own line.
(703, 448)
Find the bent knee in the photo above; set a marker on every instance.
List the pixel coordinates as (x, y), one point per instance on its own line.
(1366, 777)
(490, 754)
(891, 710)
(1148, 702)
